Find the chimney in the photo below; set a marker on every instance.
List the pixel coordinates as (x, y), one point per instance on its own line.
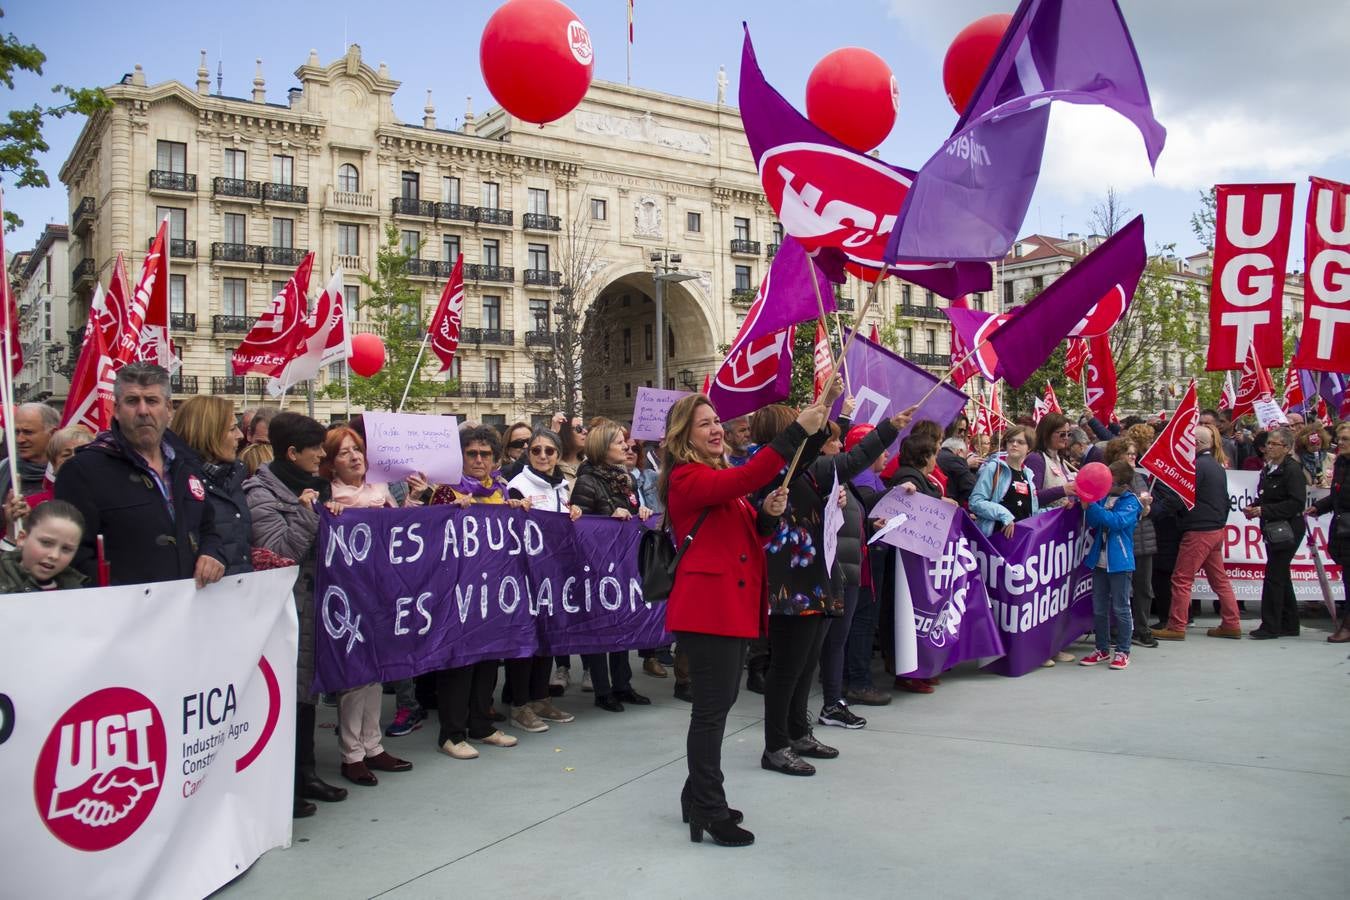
(259, 86)
(296, 96)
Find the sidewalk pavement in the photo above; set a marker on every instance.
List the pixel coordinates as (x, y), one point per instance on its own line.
(1210, 768)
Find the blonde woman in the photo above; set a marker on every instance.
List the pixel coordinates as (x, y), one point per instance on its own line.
(207, 425)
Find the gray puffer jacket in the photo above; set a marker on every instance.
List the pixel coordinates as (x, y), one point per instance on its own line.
(1145, 533)
(848, 555)
(282, 524)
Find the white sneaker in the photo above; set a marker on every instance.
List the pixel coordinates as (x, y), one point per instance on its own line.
(586, 686)
(560, 680)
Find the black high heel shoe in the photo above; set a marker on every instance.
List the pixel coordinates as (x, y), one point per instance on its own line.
(724, 833)
(734, 816)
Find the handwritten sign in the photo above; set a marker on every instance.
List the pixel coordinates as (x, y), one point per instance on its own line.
(834, 520)
(649, 412)
(925, 526)
(402, 444)
(1268, 412)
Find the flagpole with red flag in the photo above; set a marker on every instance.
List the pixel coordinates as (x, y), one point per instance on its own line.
(13, 358)
(445, 321)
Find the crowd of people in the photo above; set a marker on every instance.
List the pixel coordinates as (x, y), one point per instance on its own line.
(195, 490)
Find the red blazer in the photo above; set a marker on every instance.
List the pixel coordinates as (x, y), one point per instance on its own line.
(721, 586)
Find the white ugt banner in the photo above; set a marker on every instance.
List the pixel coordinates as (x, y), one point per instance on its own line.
(148, 734)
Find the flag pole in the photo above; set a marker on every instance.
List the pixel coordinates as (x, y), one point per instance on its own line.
(824, 326)
(417, 363)
(347, 386)
(862, 314)
(7, 390)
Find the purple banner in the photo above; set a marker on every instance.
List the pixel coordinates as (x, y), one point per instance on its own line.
(1037, 597)
(401, 592)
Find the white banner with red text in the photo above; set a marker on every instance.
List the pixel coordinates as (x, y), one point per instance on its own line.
(148, 734)
(1244, 551)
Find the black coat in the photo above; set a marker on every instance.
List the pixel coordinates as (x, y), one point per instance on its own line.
(234, 523)
(960, 477)
(597, 492)
(849, 464)
(1337, 502)
(1283, 495)
(114, 489)
(1211, 498)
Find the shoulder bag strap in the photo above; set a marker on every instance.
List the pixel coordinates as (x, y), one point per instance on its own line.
(689, 538)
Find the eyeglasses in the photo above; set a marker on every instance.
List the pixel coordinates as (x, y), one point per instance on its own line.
(579, 429)
(478, 454)
(1270, 443)
(543, 451)
(518, 445)
(1064, 433)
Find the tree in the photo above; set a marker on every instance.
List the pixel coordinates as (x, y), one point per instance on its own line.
(1018, 402)
(1164, 319)
(1107, 216)
(394, 307)
(21, 133)
(573, 330)
(1203, 221)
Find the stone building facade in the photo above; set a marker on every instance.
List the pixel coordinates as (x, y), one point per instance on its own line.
(40, 281)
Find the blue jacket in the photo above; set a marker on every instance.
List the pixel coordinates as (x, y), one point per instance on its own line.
(1115, 528)
(993, 482)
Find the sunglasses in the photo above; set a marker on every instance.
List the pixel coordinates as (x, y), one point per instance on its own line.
(478, 454)
(518, 445)
(579, 429)
(543, 451)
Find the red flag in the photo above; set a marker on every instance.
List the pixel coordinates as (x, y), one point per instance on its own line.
(9, 312)
(90, 401)
(1252, 386)
(981, 424)
(1099, 384)
(445, 322)
(707, 383)
(874, 336)
(318, 329)
(1172, 456)
(148, 313)
(963, 366)
(110, 315)
(1228, 397)
(996, 417)
(1246, 294)
(1076, 358)
(630, 21)
(1051, 400)
(823, 358)
(274, 339)
(1293, 390)
(1327, 286)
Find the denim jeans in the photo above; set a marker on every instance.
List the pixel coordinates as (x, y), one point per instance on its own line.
(861, 638)
(1111, 601)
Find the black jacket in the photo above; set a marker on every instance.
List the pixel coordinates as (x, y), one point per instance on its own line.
(234, 523)
(960, 477)
(1337, 502)
(1283, 495)
(114, 489)
(849, 464)
(1211, 498)
(596, 492)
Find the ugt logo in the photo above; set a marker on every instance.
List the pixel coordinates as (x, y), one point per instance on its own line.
(101, 768)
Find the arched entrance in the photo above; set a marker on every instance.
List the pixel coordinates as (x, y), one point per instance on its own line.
(620, 353)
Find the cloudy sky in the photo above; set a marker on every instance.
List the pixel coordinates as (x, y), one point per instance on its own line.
(1248, 91)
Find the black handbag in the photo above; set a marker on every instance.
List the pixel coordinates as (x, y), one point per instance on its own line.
(658, 559)
(1278, 534)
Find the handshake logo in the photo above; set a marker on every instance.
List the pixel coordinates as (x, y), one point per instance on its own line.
(100, 771)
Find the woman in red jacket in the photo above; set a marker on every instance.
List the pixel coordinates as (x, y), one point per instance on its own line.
(720, 596)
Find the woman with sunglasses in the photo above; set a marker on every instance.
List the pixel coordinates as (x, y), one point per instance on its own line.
(514, 442)
(1337, 502)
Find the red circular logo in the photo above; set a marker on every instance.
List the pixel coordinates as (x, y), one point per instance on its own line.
(99, 772)
(1104, 314)
(986, 357)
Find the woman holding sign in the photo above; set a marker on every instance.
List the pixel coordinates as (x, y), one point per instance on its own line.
(719, 599)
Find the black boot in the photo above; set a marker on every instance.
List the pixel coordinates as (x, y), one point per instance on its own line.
(725, 833)
(308, 785)
(754, 681)
(311, 787)
(303, 808)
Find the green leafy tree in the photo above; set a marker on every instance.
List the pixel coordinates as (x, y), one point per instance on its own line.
(1203, 221)
(394, 307)
(21, 131)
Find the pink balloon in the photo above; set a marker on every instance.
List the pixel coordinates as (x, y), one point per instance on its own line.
(1094, 482)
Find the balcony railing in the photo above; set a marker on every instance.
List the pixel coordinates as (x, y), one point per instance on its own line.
(82, 273)
(936, 360)
(351, 201)
(429, 268)
(183, 384)
(540, 339)
(745, 248)
(410, 206)
(83, 216)
(182, 321)
(236, 187)
(235, 253)
(457, 211)
(543, 277)
(282, 256)
(285, 193)
(541, 222)
(504, 337)
(843, 304)
(771, 251)
(743, 296)
(490, 390)
(231, 324)
(179, 248)
(918, 311)
(227, 384)
(478, 272)
(489, 216)
(161, 180)
(538, 391)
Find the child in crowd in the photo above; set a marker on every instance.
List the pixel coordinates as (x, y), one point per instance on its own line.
(46, 545)
(1111, 559)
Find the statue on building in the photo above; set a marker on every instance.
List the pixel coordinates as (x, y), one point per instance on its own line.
(647, 217)
(721, 84)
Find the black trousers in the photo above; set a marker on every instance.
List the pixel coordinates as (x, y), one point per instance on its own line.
(463, 696)
(715, 670)
(757, 656)
(305, 716)
(527, 678)
(1279, 609)
(1141, 600)
(610, 672)
(794, 649)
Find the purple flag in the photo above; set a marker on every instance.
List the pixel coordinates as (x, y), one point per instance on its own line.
(1025, 340)
(883, 384)
(758, 367)
(830, 196)
(1331, 385)
(401, 592)
(970, 198)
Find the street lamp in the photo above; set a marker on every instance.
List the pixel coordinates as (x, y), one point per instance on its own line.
(686, 377)
(665, 267)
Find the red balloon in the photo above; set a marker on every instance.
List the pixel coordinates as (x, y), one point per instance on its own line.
(367, 354)
(537, 59)
(852, 96)
(1093, 482)
(968, 57)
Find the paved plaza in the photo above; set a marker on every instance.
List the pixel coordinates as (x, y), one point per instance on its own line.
(1210, 768)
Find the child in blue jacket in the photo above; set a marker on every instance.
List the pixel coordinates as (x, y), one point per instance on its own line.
(1112, 520)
